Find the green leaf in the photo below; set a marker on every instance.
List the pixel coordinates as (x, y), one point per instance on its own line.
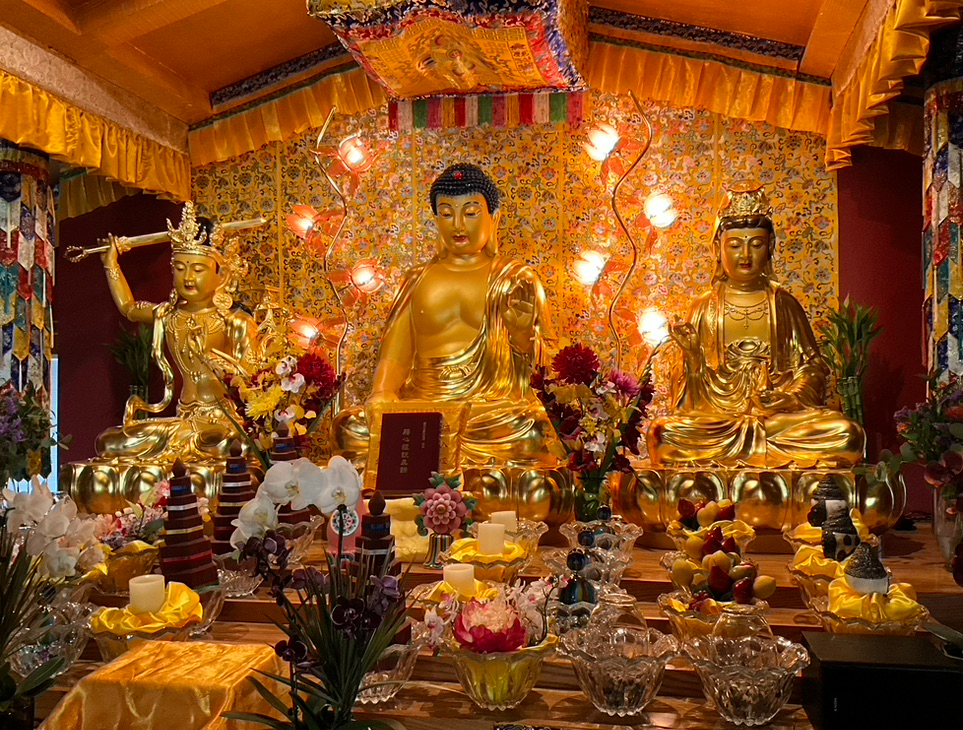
(269, 696)
(42, 677)
(906, 451)
(956, 430)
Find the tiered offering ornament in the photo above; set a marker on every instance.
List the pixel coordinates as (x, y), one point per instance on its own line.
(236, 490)
(284, 451)
(444, 510)
(186, 555)
(864, 600)
(376, 543)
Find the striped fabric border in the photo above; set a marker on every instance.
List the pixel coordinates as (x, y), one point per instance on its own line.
(499, 110)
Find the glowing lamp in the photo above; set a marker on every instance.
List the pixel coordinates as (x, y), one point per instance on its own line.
(660, 210)
(305, 332)
(654, 327)
(354, 154)
(589, 267)
(302, 222)
(602, 141)
(366, 278)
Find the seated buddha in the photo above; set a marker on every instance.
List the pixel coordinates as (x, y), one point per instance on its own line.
(207, 338)
(753, 388)
(466, 326)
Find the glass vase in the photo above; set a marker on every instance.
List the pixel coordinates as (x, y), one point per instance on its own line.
(437, 544)
(947, 525)
(588, 496)
(500, 680)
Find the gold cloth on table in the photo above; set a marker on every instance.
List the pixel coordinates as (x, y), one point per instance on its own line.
(162, 684)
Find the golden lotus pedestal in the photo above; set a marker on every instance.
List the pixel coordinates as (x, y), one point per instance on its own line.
(543, 493)
(106, 486)
(770, 500)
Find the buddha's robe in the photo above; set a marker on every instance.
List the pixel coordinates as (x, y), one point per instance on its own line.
(723, 416)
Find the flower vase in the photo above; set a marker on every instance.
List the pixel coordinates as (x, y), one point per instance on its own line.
(588, 496)
(500, 680)
(947, 526)
(437, 544)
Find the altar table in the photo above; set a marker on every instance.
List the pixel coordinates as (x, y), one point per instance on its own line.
(171, 684)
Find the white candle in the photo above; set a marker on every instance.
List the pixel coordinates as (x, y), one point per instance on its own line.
(491, 538)
(461, 577)
(147, 593)
(507, 518)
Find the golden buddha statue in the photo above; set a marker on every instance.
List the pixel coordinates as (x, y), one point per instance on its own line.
(467, 326)
(206, 337)
(753, 388)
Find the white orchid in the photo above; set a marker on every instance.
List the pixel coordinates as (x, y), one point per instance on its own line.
(286, 366)
(342, 486)
(298, 483)
(255, 518)
(59, 562)
(287, 415)
(28, 508)
(293, 383)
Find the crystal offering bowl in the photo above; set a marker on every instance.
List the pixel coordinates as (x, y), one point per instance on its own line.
(389, 673)
(748, 678)
(526, 536)
(688, 623)
(500, 680)
(236, 578)
(619, 667)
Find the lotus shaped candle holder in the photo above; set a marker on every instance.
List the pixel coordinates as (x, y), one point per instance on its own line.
(237, 579)
(748, 678)
(835, 624)
(500, 680)
(502, 568)
(526, 535)
(390, 672)
(688, 623)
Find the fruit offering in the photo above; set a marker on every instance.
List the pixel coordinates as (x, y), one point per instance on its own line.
(694, 515)
(721, 577)
(711, 523)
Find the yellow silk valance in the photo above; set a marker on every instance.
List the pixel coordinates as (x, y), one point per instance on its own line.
(898, 51)
(80, 194)
(289, 114)
(730, 90)
(32, 117)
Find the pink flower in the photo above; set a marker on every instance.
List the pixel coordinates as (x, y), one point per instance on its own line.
(444, 509)
(625, 385)
(489, 627)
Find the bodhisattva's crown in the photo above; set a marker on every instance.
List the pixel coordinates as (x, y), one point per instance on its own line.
(745, 199)
(190, 237)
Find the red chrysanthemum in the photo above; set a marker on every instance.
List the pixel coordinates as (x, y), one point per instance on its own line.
(318, 372)
(576, 364)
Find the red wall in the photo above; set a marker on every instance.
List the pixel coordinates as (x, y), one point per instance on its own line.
(880, 265)
(93, 387)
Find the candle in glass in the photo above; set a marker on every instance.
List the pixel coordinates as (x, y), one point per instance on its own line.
(147, 593)
(461, 577)
(507, 518)
(491, 538)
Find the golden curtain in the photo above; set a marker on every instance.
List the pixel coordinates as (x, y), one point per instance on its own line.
(898, 51)
(278, 119)
(729, 90)
(32, 117)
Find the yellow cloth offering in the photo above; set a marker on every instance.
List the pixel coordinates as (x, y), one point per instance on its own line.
(466, 551)
(182, 608)
(443, 590)
(812, 562)
(898, 604)
(158, 684)
(736, 529)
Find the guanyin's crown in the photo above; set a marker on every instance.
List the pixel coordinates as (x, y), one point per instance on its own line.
(745, 199)
(190, 237)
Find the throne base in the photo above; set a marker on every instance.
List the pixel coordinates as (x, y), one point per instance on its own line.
(770, 500)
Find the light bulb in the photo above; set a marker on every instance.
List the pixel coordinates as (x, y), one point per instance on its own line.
(589, 267)
(602, 141)
(653, 326)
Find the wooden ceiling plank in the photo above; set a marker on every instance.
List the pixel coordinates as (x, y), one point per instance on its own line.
(833, 27)
(58, 11)
(120, 22)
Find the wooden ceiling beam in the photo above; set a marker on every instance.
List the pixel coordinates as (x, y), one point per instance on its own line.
(124, 20)
(831, 31)
(58, 11)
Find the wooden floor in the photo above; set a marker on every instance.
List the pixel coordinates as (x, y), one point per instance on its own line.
(434, 693)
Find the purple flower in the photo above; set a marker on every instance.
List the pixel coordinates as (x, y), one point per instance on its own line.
(625, 385)
(294, 652)
(385, 593)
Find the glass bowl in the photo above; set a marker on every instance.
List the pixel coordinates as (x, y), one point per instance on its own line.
(113, 645)
(605, 568)
(212, 601)
(749, 678)
(60, 641)
(614, 535)
(298, 537)
(236, 578)
(688, 623)
(487, 567)
(390, 672)
(526, 535)
(500, 680)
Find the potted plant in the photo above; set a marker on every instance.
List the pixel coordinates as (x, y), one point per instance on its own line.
(845, 340)
(132, 351)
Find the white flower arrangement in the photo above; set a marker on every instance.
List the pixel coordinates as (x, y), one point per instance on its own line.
(301, 484)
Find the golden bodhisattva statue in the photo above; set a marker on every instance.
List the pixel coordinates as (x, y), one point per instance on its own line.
(754, 383)
(467, 326)
(207, 338)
